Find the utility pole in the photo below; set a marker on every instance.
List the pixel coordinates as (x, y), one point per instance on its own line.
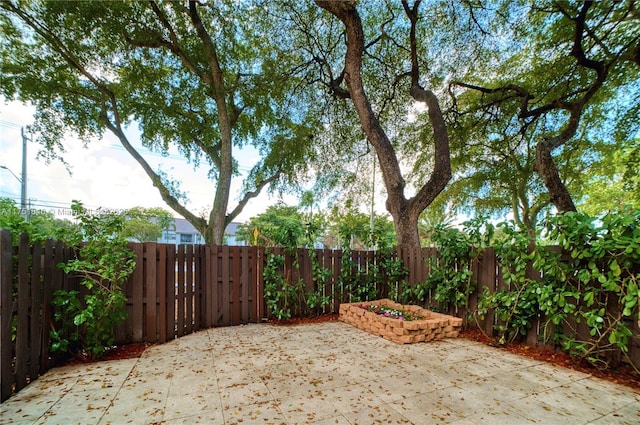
(23, 180)
(373, 194)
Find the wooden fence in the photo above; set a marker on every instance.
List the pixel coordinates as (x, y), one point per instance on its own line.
(175, 291)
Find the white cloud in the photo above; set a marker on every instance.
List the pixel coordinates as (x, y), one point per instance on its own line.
(104, 174)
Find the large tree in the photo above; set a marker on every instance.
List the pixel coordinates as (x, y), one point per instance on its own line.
(493, 163)
(198, 76)
(386, 37)
(566, 78)
(535, 96)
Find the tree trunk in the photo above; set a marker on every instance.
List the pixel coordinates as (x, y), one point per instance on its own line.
(218, 215)
(214, 234)
(405, 212)
(548, 171)
(406, 226)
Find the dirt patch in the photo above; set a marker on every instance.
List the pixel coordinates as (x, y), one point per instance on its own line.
(121, 352)
(624, 375)
(304, 320)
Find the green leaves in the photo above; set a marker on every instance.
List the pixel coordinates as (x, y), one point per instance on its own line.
(450, 278)
(551, 65)
(104, 263)
(592, 283)
(604, 266)
(203, 80)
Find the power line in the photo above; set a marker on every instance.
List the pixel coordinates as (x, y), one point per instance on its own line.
(8, 194)
(63, 209)
(47, 204)
(9, 124)
(147, 151)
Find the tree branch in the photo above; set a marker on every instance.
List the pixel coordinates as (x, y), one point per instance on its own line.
(251, 194)
(577, 50)
(57, 45)
(174, 46)
(412, 14)
(441, 173)
(116, 128)
(336, 90)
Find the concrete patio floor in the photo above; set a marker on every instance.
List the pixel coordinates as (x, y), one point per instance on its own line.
(327, 373)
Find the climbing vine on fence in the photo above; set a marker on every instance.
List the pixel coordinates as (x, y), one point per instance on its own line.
(285, 291)
(603, 266)
(367, 281)
(517, 303)
(586, 298)
(286, 294)
(577, 281)
(450, 282)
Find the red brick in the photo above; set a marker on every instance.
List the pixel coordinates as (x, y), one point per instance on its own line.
(435, 326)
(455, 321)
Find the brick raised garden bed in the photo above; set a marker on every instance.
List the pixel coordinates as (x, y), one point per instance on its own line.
(431, 326)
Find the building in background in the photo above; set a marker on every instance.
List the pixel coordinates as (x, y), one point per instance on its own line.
(183, 233)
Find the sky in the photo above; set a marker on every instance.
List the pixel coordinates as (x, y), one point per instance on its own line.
(104, 175)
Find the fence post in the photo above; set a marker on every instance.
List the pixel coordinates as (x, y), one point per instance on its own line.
(135, 320)
(336, 282)
(260, 302)
(234, 277)
(37, 318)
(6, 303)
(171, 291)
(151, 301)
(223, 312)
(207, 287)
(488, 277)
(188, 293)
(181, 289)
(22, 330)
(533, 335)
(161, 292)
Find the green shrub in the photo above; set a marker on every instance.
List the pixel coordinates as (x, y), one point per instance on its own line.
(103, 263)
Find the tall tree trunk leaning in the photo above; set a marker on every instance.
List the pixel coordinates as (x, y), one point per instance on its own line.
(405, 212)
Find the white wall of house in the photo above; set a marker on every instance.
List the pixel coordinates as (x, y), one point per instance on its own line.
(183, 233)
